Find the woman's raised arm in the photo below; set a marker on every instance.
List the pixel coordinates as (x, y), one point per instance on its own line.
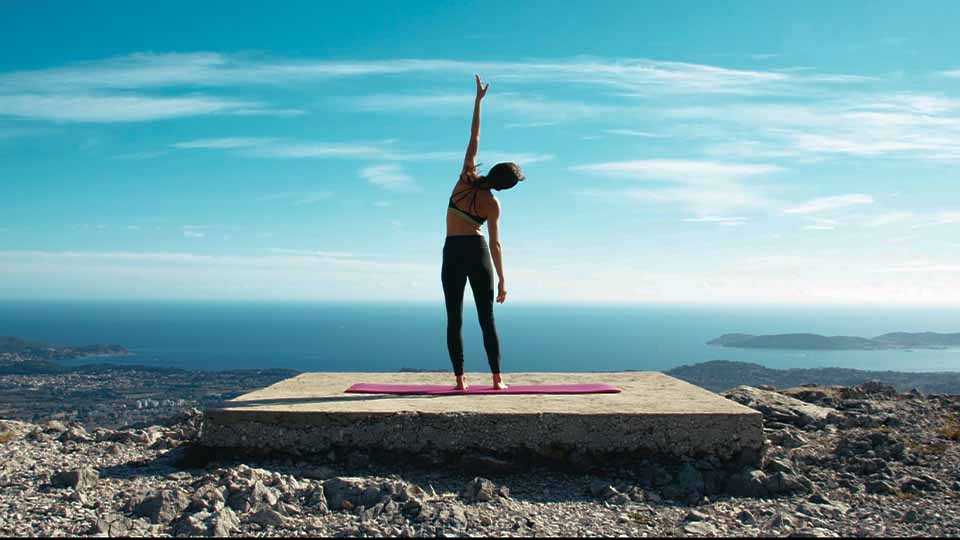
(470, 160)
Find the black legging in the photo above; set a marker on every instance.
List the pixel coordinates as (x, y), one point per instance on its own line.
(468, 257)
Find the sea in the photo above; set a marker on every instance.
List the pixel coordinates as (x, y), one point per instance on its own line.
(534, 337)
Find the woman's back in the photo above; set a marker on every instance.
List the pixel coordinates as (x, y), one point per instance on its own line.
(467, 208)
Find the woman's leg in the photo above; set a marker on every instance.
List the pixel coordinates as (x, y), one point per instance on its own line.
(481, 282)
(454, 279)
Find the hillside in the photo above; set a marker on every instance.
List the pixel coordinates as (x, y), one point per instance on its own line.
(719, 375)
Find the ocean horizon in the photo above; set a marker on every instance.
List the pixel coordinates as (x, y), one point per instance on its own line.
(368, 336)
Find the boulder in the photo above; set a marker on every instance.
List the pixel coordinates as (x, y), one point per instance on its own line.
(813, 532)
(346, 493)
(113, 526)
(602, 489)
(192, 525)
(874, 444)
(921, 482)
(317, 501)
(873, 388)
(696, 515)
(782, 520)
(701, 528)
(781, 483)
(746, 517)
(79, 479)
(220, 524)
(260, 493)
(479, 490)
(824, 396)
(75, 434)
(777, 407)
(55, 426)
(162, 506)
(748, 482)
(779, 465)
(268, 517)
(208, 497)
(880, 487)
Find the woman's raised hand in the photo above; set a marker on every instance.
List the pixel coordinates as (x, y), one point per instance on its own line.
(481, 88)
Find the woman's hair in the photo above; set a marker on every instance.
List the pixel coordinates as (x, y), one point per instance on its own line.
(473, 170)
(502, 176)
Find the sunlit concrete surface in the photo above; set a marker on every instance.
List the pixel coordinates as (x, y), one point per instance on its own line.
(654, 415)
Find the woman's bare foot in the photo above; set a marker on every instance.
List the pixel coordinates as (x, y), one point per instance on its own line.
(462, 383)
(498, 383)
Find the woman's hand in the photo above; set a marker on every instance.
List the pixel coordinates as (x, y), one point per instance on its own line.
(501, 293)
(481, 88)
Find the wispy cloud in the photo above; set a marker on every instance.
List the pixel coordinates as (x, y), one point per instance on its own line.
(635, 133)
(313, 253)
(148, 154)
(534, 110)
(265, 111)
(112, 108)
(940, 218)
(10, 132)
(887, 218)
(520, 158)
(726, 221)
(908, 125)
(314, 197)
(918, 268)
(211, 69)
(822, 224)
(298, 198)
(824, 204)
(678, 170)
(514, 125)
(295, 150)
(225, 143)
(148, 86)
(278, 259)
(278, 148)
(388, 176)
(706, 187)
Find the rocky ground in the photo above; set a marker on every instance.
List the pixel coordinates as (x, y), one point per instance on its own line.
(862, 461)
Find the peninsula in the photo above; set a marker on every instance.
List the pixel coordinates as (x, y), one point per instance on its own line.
(817, 342)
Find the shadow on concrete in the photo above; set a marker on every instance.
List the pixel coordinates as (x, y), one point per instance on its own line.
(337, 399)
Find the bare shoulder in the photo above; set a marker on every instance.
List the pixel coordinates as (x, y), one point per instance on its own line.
(493, 204)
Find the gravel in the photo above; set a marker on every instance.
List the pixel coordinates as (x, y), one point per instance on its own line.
(867, 462)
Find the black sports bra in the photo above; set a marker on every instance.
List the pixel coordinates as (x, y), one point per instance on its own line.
(469, 192)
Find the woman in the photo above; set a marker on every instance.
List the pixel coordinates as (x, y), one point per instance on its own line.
(465, 252)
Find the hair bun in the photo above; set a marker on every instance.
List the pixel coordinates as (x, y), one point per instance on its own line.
(504, 176)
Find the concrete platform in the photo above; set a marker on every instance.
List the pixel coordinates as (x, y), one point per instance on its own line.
(655, 416)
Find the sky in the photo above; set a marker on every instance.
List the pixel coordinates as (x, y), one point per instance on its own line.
(674, 152)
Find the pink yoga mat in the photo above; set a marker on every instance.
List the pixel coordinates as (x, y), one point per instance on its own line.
(437, 390)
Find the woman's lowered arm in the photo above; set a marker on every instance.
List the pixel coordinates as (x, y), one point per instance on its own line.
(496, 249)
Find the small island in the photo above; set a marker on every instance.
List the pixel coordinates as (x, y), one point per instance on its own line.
(817, 342)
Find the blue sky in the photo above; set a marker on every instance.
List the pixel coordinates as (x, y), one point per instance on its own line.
(677, 152)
